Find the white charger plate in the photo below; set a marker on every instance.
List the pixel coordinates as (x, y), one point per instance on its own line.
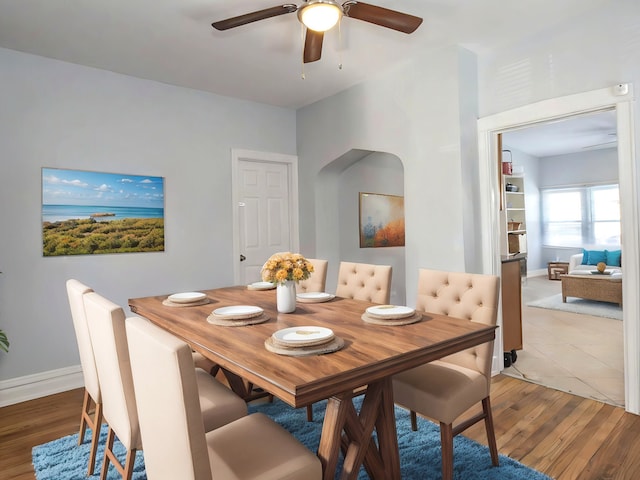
(187, 297)
(303, 336)
(390, 311)
(315, 296)
(238, 312)
(262, 286)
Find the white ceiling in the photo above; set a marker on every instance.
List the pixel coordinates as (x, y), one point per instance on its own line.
(172, 41)
(582, 133)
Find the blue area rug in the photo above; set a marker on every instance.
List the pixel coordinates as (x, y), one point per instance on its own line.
(419, 451)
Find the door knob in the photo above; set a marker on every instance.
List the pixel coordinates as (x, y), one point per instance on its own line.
(242, 258)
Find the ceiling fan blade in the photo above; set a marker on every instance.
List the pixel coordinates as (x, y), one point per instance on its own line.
(383, 17)
(313, 46)
(254, 16)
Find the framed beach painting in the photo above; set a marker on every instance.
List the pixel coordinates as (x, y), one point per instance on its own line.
(85, 213)
(381, 220)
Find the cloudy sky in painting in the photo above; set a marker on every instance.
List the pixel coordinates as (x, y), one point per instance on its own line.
(77, 187)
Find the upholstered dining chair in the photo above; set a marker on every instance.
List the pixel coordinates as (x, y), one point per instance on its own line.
(92, 395)
(175, 443)
(444, 389)
(318, 279)
(217, 404)
(364, 281)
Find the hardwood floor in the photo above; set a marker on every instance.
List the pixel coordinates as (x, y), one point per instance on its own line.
(562, 435)
(25, 425)
(565, 436)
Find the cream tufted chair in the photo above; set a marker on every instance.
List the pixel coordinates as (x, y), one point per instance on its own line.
(75, 293)
(444, 389)
(316, 282)
(175, 443)
(364, 281)
(106, 321)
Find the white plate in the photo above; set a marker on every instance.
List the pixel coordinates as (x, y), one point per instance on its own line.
(390, 311)
(238, 311)
(262, 285)
(303, 335)
(315, 295)
(187, 297)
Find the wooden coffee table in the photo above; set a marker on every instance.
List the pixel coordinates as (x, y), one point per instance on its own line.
(603, 288)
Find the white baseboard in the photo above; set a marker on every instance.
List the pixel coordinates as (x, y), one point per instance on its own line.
(25, 388)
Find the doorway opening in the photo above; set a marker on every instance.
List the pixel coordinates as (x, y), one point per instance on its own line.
(574, 344)
(554, 110)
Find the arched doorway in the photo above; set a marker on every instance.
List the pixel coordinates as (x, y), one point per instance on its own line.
(337, 189)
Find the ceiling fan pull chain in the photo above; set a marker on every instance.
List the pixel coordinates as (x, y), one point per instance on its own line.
(340, 44)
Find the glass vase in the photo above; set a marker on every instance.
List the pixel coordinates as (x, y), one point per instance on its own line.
(286, 296)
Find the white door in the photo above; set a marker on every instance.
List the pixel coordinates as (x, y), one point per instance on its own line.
(265, 210)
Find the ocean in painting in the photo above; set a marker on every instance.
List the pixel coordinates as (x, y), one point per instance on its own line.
(58, 213)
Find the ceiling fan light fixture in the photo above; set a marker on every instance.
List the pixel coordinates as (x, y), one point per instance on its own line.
(320, 15)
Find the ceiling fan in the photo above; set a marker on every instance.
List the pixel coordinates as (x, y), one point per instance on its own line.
(322, 15)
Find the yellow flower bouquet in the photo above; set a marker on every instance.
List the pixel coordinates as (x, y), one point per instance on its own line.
(286, 266)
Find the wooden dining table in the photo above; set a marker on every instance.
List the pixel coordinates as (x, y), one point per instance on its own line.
(371, 355)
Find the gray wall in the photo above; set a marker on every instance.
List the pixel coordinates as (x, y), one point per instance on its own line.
(598, 49)
(375, 173)
(588, 167)
(397, 112)
(422, 112)
(62, 115)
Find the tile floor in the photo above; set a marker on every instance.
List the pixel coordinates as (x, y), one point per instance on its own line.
(578, 354)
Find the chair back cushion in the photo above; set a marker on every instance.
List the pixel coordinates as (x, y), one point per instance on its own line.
(469, 296)
(318, 279)
(364, 281)
(109, 341)
(75, 293)
(167, 395)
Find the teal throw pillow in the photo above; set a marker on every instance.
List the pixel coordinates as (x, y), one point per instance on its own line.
(585, 257)
(596, 256)
(614, 258)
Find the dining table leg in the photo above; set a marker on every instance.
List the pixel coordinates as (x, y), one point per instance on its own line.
(243, 389)
(347, 430)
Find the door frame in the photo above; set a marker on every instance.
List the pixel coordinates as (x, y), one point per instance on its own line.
(551, 110)
(291, 162)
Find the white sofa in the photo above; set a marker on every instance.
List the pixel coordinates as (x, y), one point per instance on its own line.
(576, 267)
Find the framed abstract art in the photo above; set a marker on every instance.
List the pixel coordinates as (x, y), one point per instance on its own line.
(381, 220)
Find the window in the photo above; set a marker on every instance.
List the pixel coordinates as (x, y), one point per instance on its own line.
(579, 216)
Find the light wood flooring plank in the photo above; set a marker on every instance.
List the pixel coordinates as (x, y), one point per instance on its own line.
(559, 434)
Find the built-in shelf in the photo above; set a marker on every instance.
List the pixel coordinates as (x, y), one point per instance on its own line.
(514, 218)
